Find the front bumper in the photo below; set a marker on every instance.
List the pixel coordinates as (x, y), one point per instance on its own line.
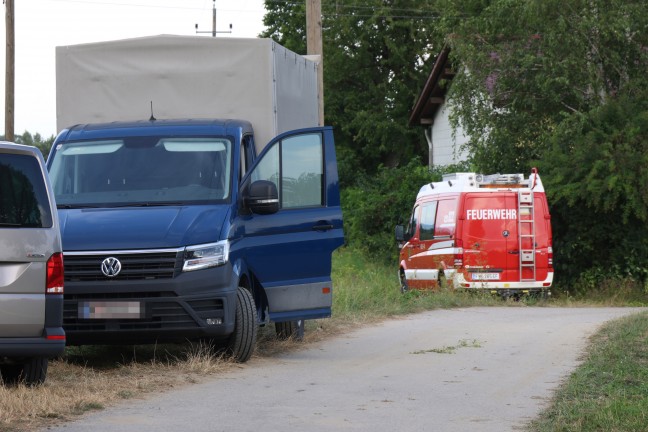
(191, 305)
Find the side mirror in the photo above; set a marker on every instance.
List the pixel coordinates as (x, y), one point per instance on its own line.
(400, 233)
(262, 197)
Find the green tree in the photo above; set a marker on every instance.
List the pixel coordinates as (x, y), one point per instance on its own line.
(528, 65)
(562, 84)
(597, 181)
(375, 54)
(44, 145)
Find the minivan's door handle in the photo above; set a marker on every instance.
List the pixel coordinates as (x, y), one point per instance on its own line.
(323, 227)
(514, 252)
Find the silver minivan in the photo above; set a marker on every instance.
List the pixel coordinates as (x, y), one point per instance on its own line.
(31, 267)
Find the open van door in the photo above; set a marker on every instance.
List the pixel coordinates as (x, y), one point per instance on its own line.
(289, 250)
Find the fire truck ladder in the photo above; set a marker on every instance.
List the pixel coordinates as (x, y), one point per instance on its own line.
(526, 235)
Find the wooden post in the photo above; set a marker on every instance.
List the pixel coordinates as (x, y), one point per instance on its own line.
(314, 47)
(9, 72)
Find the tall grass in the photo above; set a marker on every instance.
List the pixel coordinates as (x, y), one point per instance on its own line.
(609, 391)
(365, 289)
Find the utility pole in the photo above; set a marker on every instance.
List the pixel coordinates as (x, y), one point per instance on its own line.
(213, 31)
(314, 47)
(9, 71)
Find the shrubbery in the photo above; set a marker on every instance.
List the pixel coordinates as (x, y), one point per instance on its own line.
(376, 203)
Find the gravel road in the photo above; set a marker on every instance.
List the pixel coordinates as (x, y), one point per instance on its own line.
(476, 369)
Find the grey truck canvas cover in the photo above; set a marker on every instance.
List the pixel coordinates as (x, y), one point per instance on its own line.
(187, 77)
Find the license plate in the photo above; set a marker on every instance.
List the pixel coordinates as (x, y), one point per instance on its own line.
(485, 276)
(110, 310)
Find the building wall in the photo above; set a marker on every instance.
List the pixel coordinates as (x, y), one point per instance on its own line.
(446, 148)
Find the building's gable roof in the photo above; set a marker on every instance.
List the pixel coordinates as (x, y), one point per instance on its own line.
(433, 94)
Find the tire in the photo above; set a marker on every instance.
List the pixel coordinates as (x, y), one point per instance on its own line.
(11, 374)
(32, 372)
(443, 282)
(290, 330)
(35, 371)
(242, 342)
(403, 283)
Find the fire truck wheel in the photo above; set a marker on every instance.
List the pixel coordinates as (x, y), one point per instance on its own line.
(403, 283)
(443, 282)
(290, 329)
(242, 342)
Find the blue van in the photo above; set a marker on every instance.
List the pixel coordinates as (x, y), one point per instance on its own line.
(175, 230)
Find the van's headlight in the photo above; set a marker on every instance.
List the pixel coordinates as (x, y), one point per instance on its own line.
(206, 255)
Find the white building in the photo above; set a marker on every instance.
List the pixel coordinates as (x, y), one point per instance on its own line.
(432, 112)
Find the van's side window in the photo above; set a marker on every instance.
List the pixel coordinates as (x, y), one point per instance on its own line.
(446, 218)
(296, 166)
(428, 213)
(302, 171)
(268, 167)
(411, 227)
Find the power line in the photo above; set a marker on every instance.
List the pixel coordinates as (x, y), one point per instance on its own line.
(339, 4)
(143, 5)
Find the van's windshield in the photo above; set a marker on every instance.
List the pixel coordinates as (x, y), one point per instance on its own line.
(141, 171)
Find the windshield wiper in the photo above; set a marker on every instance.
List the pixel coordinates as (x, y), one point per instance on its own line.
(149, 204)
(76, 206)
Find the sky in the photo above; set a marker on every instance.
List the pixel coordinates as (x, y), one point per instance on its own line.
(42, 25)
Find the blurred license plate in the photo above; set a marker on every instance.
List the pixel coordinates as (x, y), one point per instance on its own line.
(110, 310)
(485, 276)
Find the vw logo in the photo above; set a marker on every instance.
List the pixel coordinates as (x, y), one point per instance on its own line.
(110, 267)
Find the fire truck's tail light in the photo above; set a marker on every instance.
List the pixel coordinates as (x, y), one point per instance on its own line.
(458, 256)
(550, 257)
(54, 282)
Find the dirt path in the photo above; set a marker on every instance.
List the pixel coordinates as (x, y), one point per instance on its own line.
(485, 369)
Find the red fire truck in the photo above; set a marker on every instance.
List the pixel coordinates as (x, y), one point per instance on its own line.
(479, 232)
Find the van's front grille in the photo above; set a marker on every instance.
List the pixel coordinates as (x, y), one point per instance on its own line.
(133, 266)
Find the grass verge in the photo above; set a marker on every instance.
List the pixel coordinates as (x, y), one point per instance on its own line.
(93, 377)
(609, 391)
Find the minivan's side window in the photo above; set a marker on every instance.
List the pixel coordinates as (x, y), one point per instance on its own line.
(428, 214)
(296, 166)
(23, 197)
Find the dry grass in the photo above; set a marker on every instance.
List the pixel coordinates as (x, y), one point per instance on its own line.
(95, 377)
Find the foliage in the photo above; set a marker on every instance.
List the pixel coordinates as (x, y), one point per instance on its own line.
(529, 65)
(36, 140)
(562, 84)
(596, 166)
(374, 68)
(378, 203)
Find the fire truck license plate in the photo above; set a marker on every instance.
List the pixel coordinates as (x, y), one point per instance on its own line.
(485, 276)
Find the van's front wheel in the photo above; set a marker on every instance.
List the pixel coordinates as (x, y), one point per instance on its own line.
(242, 342)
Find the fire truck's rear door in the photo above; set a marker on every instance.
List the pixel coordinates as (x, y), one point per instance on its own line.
(490, 237)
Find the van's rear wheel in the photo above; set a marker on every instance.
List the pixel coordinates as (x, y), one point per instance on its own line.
(290, 329)
(443, 281)
(35, 371)
(403, 282)
(242, 342)
(32, 372)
